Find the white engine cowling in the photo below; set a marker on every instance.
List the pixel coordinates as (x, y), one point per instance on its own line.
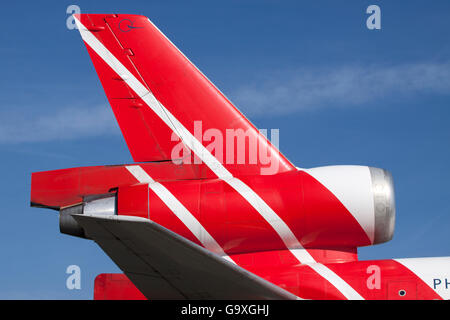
(366, 192)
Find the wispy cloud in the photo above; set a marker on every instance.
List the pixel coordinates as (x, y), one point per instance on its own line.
(65, 123)
(275, 94)
(346, 86)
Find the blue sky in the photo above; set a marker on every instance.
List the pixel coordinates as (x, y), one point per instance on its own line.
(338, 92)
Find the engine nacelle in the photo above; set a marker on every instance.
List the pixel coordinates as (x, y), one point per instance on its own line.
(366, 192)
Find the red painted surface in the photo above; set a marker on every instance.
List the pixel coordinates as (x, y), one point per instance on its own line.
(175, 82)
(114, 286)
(133, 201)
(396, 282)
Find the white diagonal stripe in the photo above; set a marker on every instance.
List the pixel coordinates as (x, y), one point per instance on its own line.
(178, 209)
(429, 270)
(336, 281)
(358, 201)
(197, 147)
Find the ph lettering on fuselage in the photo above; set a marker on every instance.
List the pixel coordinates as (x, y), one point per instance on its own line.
(441, 283)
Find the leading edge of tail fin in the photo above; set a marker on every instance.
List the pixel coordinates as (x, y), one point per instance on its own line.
(166, 108)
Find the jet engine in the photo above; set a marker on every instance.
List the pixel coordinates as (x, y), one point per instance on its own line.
(367, 193)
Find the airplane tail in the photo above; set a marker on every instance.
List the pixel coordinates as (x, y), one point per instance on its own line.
(162, 101)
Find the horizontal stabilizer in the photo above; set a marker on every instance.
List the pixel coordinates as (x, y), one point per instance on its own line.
(164, 265)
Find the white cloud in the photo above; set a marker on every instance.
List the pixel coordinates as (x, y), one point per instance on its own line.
(64, 124)
(348, 86)
(278, 94)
